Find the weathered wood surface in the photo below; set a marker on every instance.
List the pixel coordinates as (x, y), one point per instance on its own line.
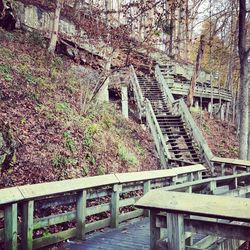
(156, 174)
(9, 195)
(197, 204)
(231, 161)
(78, 191)
(57, 187)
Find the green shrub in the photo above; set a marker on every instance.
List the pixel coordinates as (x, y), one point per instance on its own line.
(127, 156)
(69, 142)
(6, 71)
(89, 132)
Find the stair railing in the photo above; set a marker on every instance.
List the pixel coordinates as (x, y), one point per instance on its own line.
(158, 137)
(180, 107)
(166, 90)
(138, 92)
(195, 131)
(164, 87)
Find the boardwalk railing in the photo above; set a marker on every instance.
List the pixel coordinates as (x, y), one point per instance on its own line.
(221, 234)
(137, 91)
(158, 138)
(164, 87)
(43, 214)
(182, 87)
(195, 132)
(223, 166)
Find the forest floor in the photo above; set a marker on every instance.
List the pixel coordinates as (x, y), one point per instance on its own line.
(39, 106)
(220, 135)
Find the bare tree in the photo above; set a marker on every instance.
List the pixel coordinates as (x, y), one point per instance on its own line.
(243, 54)
(55, 27)
(196, 70)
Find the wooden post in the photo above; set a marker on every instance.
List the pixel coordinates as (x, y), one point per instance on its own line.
(124, 91)
(190, 177)
(146, 188)
(234, 169)
(222, 112)
(210, 109)
(212, 168)
(222, 168)
(155, 232)
(115, 205)
(212, 186)
(198, 175)
(189, 189)
(174, 180)
(10, 227)
(81, 215)
(176, 232)
(27, 225)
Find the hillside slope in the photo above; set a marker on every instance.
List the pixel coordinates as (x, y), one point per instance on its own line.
(220, 136)
(46, 138)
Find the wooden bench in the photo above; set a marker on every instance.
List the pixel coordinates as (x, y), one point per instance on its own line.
(179, 209)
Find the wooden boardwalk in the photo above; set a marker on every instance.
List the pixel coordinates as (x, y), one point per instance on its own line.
(133, 235)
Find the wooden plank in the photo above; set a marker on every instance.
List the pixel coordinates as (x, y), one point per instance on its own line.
(219, 180)
(81, 215)
(27, 225)
(197, 204)
(98, 209)
(205, 242)
(128, 202)
(54, 219)
(176, 232)
(10, 227)
(57, 187)
(225, 230)
(54, 238)
(97, 225)
(9, 195)
(131, 187)
(131, 215)
(156, 174)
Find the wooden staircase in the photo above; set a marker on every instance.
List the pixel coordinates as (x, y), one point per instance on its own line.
(179, 141)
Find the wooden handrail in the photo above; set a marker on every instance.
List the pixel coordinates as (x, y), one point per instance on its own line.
(137, 91)
(167, 92)
(199, 138)
(160, 143)
(36, 191)
(78, 192)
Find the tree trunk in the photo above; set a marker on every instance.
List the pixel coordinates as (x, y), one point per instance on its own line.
(248, 151)
(243, 54)
(172, 27)
(1, 8)
(190, 96)
(186, 29)
(55, 27)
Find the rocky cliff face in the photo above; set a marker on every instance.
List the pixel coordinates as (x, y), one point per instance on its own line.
(33, 17)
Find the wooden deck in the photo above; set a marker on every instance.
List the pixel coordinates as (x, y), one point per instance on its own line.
(133, 235)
